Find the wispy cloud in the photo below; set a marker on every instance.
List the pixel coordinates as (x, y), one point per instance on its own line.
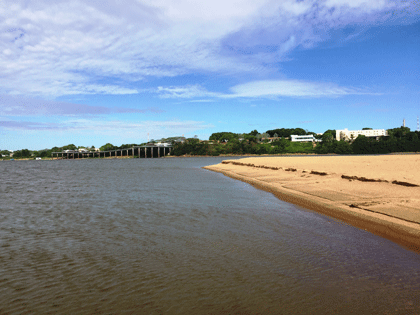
(111, 128)
(266, 89)
(75, 47)
(30, 125)
(24, 106)
(188, 91)
(291, 88)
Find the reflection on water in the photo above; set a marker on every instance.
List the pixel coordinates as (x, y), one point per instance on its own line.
(164, 236)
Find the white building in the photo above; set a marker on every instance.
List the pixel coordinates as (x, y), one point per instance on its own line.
(163, 144)
(346, 134)
(305, 138)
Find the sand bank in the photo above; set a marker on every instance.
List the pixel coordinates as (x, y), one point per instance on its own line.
(380, 194)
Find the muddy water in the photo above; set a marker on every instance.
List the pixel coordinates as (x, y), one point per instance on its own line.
(164, 236)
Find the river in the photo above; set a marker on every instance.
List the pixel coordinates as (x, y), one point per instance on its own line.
(164, 236)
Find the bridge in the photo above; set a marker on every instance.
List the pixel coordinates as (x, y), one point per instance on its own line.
(147, 150)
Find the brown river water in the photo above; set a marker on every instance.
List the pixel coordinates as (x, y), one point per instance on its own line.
(164, 236)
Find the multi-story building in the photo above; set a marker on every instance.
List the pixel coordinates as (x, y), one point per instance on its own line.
(346, 134)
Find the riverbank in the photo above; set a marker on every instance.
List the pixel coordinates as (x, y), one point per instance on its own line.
(380, 194)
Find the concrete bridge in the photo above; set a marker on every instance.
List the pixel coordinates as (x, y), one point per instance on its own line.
(147, 150)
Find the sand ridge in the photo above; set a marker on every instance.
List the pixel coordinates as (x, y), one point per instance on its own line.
(378, 193)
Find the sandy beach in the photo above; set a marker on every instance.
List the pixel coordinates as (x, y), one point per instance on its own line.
(380, 194)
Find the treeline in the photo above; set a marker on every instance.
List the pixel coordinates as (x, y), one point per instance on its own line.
(286, 132)
(275, 133)
(244, 143)
(46, 153)
(193, 146)
(398, 140)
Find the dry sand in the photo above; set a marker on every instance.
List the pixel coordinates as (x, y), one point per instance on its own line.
(380, 194)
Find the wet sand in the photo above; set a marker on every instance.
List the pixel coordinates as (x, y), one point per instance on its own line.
(380, 194)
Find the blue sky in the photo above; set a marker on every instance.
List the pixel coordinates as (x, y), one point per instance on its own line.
(92, 72)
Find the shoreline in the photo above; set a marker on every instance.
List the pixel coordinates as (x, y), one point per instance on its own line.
(387, 205)
(223, 155)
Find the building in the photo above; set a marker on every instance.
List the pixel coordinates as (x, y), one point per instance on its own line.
(163, 144)
(305, 138)
(346, 134)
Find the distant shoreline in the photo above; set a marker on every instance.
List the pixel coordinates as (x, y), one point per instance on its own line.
(221, 155)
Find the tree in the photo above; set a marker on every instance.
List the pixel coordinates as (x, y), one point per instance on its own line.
(362, 145)
(69, 147)
(331, 131)
(45, 153)
(398, 132)
(327, 137)
(281, 145)
(286, 132)
(25, 153)
(250, 138)
(254, 132)
(343, 147)
(108, 147)
(223, 136)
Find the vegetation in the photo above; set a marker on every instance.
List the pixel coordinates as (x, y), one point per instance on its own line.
(398, 140)
(25, 153)
(286, 133)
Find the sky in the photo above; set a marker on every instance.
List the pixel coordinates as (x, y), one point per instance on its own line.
(95, 72)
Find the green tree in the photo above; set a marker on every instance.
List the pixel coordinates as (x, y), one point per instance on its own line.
(69, 147)
(223, 136)
(108, 147)
(25, 153)
(280, 145)
(362, 145)
(331, 131)
(398, 132)
(343, 147)
(327, 138)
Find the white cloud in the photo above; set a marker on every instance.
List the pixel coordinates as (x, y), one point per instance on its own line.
(76, 47)
(291, 88)
(188, 91)
(265, 89)
(17, 105)
(110, 128)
